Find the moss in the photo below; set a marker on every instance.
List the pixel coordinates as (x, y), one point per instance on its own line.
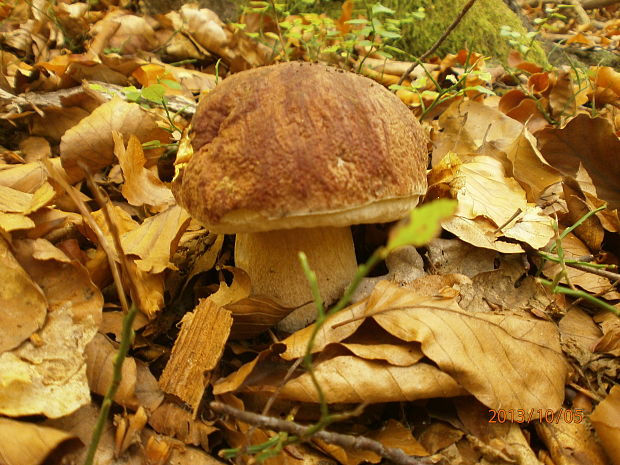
(479, 29)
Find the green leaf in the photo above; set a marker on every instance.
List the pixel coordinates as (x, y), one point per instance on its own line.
(377, 8)
(481, 89)
(384, 54)
(153, 93)
(356, 21)
(424, 224)
(131, 93)
(170, 83)
(388, 34)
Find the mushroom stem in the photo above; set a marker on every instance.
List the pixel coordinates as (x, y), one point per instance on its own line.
(271, 260)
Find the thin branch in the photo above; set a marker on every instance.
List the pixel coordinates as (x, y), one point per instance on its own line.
(394, 454)
(583, 267)
(443, 37)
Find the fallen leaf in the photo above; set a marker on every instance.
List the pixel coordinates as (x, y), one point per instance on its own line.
(605, 420)
(467, 346)
(492, 211)
(587, 142)
(349, 379)
(156, 239)
(90, 141)
(47, 376)
(141, 186)
(23, 443)
(24, 304)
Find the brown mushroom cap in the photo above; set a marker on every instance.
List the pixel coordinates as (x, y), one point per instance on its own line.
(300, 145)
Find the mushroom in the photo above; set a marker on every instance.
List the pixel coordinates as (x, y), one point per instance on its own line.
(287, 157)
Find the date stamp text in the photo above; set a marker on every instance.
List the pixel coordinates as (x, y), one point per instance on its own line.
(542, 415)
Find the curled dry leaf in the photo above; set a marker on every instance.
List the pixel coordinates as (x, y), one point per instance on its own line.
(587, 142)
(348, 379)
(23, 443)
(149, 286)
(488, 200)
(251, 314)
(156, 239)
(173, 420)
(606, 422)
(24, 304)
(138, 386)
(141, 186)
(472, 127)
(124, 31)
(497, 358)
(16, 201)
(90, 141)
(27, 177)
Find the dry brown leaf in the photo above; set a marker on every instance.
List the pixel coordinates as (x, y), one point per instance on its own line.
(497, 358)
(333, 330)
(175, 421)
(127, 32)
(610, 342)
(150, 288)
(90, 141)
(587, 142)
(455, 256)
(100, 354)
(27, 177)
(606, 422)
(520, 107)
(24, 443)
(529, 167)
(570, 440)
(15, 222)
(24, 304)
(488, 200)
(66, 282)
(156, 239)
(47, 376)
(141, 186)
(251, 315)
(497, 442)
(16, 201)
(349, 379)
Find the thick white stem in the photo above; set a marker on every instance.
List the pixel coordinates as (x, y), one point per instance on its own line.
(271, 260)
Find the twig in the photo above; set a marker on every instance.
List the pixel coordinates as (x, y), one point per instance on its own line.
(515, 214)
(443, 37)
(583, 267)
(394, 454)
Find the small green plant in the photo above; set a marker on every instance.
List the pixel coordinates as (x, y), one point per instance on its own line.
(471, 80)
(154, 94)
(312, 35)
(559, 257)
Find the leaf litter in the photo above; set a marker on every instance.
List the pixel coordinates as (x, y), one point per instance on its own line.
(453, 335)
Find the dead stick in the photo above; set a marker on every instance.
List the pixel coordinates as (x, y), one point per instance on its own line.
(394, 454)
(443, 37)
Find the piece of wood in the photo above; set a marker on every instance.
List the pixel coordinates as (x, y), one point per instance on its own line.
(196, 352)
